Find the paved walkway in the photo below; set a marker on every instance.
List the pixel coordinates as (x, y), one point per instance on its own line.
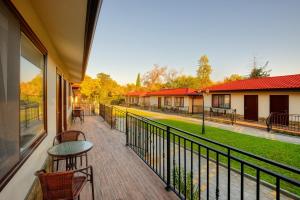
(235, 128)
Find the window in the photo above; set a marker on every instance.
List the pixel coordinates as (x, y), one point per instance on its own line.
(168, 101)
(22, 95)
(179, 101)
(221, 101)
(31, 93)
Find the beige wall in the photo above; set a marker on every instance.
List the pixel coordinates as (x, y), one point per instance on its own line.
(20, 184)
(237, 102)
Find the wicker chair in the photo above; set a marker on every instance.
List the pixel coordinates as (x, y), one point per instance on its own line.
(65, 185)
(67, 136)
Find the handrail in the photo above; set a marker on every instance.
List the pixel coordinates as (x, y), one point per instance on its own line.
(296, 170)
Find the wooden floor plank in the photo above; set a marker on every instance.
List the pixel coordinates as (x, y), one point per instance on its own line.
(118, 172)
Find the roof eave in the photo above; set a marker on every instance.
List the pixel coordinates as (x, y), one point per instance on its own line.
(93, 10)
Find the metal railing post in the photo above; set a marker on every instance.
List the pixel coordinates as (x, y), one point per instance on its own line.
(104, 112)
(100, 109)
(168, 187)
(111, 117)
(126, 128)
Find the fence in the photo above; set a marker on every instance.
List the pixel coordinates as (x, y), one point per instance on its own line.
(187, 163)
(220, 113)
(283, 121)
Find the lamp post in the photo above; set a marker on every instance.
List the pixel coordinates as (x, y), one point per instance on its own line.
(203, 112)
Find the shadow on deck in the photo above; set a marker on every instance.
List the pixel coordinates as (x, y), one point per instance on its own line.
(118, 172)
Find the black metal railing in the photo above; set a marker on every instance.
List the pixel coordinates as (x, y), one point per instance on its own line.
(175, 109)
(283, 121)
(220, 113)
(29, 112)
(195, 167)
(119, 119)
(89, 109)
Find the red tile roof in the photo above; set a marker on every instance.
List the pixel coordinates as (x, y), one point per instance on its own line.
(174, 92)
(136, 93)
(267, 83)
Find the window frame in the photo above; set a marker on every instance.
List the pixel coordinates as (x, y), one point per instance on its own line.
(178, 103)
(218, 96)
(44, 101)
(167, 101)
(26, 153)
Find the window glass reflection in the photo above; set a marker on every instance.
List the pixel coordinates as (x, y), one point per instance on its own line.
(31, 93)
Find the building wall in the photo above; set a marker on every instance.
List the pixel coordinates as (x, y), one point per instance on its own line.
(237, 101)
(22, 181)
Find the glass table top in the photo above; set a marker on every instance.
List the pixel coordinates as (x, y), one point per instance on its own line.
(70, 148)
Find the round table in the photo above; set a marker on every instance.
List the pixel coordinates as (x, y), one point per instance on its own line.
(69, 151)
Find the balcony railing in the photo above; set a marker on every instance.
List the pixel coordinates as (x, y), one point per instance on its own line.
(283, 121)
(29, 112)
(89, 109)
(185, 162)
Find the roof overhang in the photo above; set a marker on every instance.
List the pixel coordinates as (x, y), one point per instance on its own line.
(71, 25)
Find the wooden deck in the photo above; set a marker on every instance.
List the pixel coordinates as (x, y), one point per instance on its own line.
(118, 172)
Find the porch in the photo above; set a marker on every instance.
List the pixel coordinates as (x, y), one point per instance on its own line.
(118, 172)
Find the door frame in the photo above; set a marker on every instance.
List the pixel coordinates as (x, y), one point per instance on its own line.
(59, 115)
(64, 105)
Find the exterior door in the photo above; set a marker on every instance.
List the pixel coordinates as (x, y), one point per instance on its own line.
(159, 102)
(280, 104)
(251, 107)
(59, 114)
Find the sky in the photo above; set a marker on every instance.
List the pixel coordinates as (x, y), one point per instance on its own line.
(133, 35)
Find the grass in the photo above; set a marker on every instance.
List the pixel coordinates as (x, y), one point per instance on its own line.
(278, 151)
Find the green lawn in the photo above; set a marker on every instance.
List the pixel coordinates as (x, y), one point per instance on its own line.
(282, 152)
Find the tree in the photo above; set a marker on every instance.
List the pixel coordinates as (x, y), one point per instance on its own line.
(259, 71)
(89, 88)
(138, 81)
(204, 72)
(153, 79)
(101, 89)
(183, 81)
(233, 77)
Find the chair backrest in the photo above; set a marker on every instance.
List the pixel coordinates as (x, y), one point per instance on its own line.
(77, 113)
(57, 185)
(70, 135)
